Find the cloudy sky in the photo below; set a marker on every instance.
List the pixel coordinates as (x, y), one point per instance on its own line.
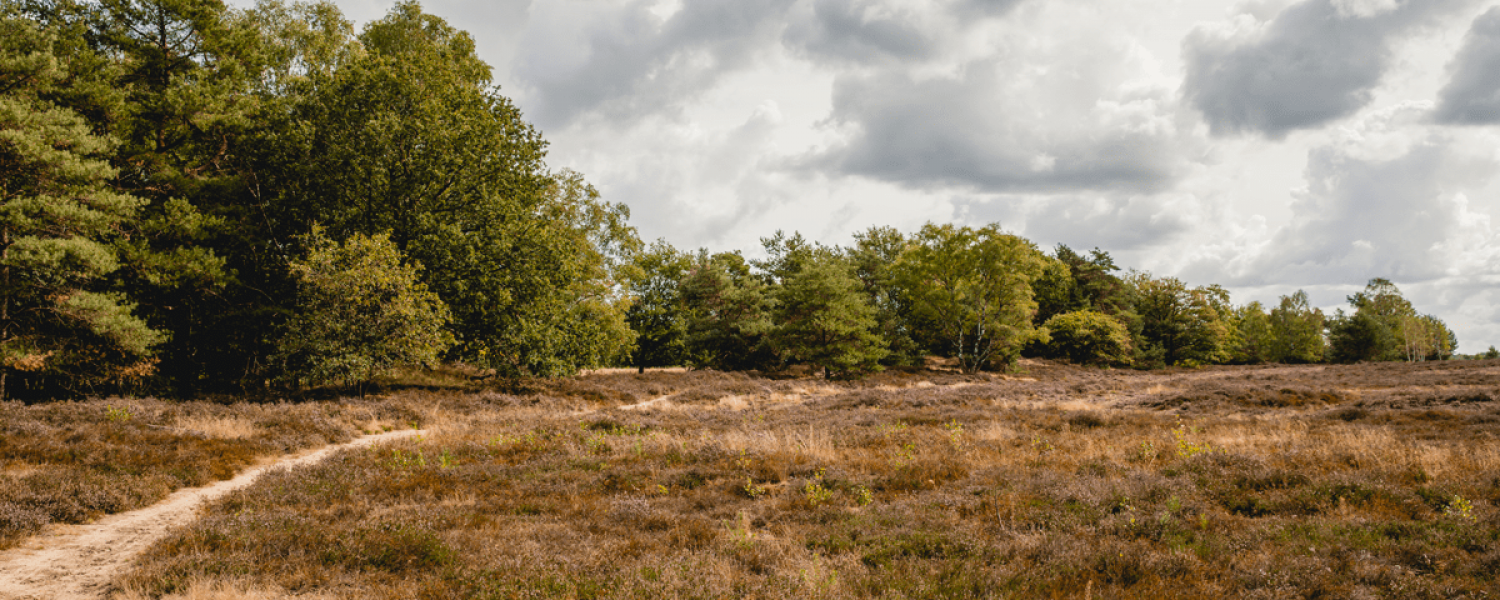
(1267, 145)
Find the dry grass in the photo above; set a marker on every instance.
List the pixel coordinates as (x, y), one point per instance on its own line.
(1259, 482)
(71, 462)
(226, 590)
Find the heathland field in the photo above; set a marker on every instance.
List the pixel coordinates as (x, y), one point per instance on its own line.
(1053, 481)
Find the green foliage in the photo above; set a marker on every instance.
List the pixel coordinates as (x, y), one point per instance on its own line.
(1385, 326)
(361, 311)
(59, 326)
(823, 319)
(1089, 337)
(728, 314)
(1360, 337)
(656, 313)
(1185, 323)
(410, 137)
(1296, 331)
(874, 256)
(972, 287)
(1074, 282)
(1252, 340)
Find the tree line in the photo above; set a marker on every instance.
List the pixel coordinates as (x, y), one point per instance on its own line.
(984, 298)
(198, 198)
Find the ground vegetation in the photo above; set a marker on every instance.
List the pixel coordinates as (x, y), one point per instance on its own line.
(1249, 481)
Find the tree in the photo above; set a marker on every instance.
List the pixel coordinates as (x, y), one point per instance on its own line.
(1074, 282)
(1254, 340)
(875, 254)
(1406, 335)
(1296, 331)
(728, 314)
(1089, 337)
(1359, 337)
(823, 319)
(59, 325)
(657, 313)
(360, 312)
(411, 137)
(1182, 321)
(973, 287)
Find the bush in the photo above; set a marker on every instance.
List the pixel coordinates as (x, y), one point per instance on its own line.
(1089, 337)
(361, 312)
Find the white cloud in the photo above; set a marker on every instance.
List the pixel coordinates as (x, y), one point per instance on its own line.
(1074, 121)
(1047, 108)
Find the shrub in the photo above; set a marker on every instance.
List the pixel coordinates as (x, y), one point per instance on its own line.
(1089, 337)
(361, 311)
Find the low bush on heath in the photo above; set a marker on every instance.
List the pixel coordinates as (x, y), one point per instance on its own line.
(1075, 484)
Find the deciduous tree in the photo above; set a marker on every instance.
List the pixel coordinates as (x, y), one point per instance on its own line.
(973, 287)
(1296, 331)
(1182, 321)
(360, 311)
(1089, 337)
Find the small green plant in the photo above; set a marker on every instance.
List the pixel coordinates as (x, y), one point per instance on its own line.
(741, 531)
(1186, 448)
(1460, 508)
(817, 493)
(863, 496)
(401, 459)
(955, 433)
(446, 460)
(889, 430)
(904, 455)
(117, 415)
(744, 462)
(1145, 452)
(1040, 445)
(752, 490)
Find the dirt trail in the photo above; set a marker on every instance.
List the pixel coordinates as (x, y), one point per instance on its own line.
(75, 562)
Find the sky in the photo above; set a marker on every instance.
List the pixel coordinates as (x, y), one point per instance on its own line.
(1264, 145)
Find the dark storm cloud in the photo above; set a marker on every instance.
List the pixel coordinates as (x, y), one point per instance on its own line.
(1312, 64)
(976, 131)
(635, 64)
(1472, 95)
(845, 32)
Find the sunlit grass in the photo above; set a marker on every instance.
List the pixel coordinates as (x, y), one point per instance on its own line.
(1214, 483)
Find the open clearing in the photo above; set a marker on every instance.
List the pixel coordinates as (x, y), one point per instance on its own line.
(79, 561)
(1272, 482)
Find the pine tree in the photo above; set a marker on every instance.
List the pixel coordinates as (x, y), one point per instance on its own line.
(59, 326)
(824, 320)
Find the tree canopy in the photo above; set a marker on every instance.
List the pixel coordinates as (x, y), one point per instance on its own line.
(199, 198)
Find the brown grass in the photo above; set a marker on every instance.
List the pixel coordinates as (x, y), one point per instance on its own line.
(1360, 481)
(71, 462)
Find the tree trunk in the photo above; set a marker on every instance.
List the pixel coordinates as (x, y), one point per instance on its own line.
(5, 292)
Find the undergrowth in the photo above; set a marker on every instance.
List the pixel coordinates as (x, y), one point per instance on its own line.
(1183, 484)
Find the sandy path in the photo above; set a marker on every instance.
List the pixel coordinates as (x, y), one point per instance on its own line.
(647, 404)
(75, 562)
